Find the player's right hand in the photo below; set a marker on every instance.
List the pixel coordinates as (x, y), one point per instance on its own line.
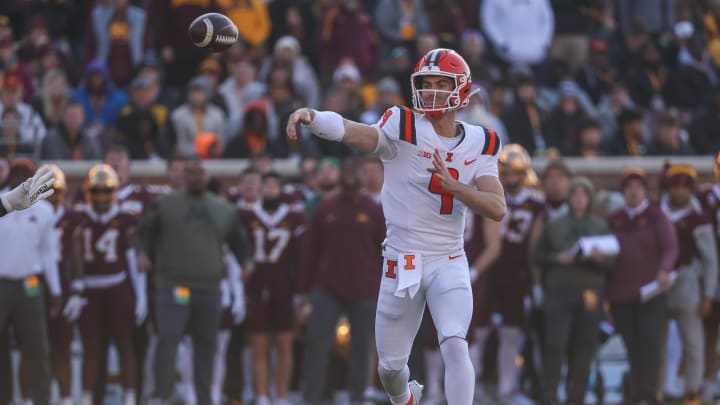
(29, 192)
(301, 116)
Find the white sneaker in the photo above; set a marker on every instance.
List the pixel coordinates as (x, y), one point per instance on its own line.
(707, 393)
(282, 401)
(516, 399)
(262, 400)
(415, 392)
(129, 397)
(87, 398)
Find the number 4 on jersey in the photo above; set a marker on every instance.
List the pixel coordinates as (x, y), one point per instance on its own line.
(446, 199)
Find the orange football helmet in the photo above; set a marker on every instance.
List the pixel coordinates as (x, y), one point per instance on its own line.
(441, 62)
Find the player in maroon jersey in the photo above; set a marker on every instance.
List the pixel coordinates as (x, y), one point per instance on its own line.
(511, 279)
(60, 330)
(709, 197)
(696, 266)
(102, 295)
(276, 230)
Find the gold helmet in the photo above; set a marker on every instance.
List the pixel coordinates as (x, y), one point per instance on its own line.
(59, 183)
(102, 176)
(101, 187)
(514, 157)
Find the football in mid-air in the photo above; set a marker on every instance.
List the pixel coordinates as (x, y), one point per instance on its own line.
(213, 31)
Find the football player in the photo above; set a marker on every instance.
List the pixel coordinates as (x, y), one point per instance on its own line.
(108, 293)
(510, 280)
(435, 169)
(710, 200)
(276, 230)
(60, 331)
(696, 266)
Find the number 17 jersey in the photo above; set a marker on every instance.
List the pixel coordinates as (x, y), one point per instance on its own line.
(420, 215)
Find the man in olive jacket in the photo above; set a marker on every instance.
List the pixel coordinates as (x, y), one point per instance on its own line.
(182, 237)
(573, 297)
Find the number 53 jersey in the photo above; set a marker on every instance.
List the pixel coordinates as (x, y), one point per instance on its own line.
(421, 216)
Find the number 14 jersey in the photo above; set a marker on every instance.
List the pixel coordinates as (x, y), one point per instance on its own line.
(420, 215)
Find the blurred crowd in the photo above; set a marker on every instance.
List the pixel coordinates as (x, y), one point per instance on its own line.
(584, 78)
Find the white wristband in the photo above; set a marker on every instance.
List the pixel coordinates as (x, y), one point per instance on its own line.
(328, 125)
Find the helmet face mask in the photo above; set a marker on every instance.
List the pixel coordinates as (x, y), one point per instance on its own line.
(441, 63)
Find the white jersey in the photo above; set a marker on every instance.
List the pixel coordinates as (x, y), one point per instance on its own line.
(420, 215)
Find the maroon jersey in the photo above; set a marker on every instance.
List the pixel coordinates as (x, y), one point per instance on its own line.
(687, 221)
(105, 240)
(291, 196)
(474, 236)
(513, 264)
(710, 200)
(233, 194)
(276, 246)
(132, 198)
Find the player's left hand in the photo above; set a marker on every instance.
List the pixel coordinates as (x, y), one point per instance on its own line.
(447, 182)
(141, 309)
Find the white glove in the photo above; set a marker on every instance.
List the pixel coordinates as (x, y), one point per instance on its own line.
(537, 294)
(74, 307)
(239, 310)
(36, 188)
(141, 309)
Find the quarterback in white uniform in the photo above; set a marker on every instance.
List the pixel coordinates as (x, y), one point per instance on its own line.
(435, 169)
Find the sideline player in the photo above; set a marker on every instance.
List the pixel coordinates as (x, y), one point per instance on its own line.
(276, 233)
(34, 189)
(436, 168)
(511, 278)
(102, 296)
